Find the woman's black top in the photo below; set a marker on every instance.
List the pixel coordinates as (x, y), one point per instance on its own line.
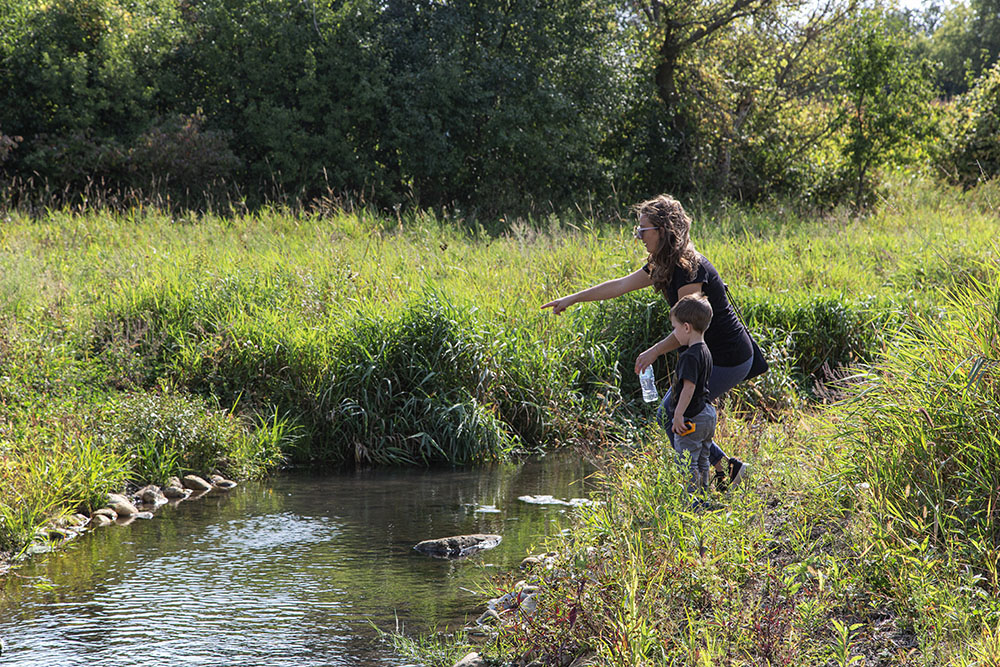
(726, 337)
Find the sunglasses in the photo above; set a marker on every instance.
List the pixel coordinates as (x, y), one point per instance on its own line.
(637, 232)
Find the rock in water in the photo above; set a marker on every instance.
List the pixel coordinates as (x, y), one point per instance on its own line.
(458, 545)
(121, 505)
(471, 660)
(151, 495)
(221, 482)
(195, 483)
(176, 492)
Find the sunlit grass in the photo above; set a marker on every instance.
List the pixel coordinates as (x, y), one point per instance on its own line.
(136, 346)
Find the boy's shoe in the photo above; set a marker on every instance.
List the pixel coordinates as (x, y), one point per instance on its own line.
(721, 481)
(737, 470)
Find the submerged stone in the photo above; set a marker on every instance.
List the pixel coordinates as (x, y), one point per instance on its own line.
(458, 546)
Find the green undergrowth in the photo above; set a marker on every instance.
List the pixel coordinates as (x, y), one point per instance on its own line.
(865, 535)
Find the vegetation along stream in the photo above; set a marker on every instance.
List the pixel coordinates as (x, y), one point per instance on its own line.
(295, 570)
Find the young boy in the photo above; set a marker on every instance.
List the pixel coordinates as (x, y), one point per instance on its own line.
(692, 417)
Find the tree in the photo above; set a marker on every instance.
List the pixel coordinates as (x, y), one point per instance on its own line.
(771, 76)
(962, 38)
(748, 102)
(885, 98)
(498, 100)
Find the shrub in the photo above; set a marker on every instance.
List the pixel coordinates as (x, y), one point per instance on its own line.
(168, 433)
(7, 145)
(176, 156)
(971, 151)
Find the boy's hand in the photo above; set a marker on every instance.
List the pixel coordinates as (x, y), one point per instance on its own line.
(679, 425)
(645, 359)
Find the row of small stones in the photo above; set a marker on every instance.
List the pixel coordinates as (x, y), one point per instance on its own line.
(122, 507)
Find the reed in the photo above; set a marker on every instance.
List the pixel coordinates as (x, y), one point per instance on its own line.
(925, 425)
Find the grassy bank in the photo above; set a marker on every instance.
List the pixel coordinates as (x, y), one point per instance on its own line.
(138, 346)
(867, 534)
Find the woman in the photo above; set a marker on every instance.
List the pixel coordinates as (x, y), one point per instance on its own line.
(675, 269)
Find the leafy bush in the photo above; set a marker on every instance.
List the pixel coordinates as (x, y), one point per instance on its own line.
(8, 144)
(164, 434)
(178, 157)
(971, 151)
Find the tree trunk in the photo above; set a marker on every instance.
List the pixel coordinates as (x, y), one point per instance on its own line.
(666, 85)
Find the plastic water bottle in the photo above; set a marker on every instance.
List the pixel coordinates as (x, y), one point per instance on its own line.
(648, 382)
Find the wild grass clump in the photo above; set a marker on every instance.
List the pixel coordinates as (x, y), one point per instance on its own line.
(51, 459)
(925, 424)
(165, 433)
(422, 382)
(787, 570)
(821, 333)
(647, 578)
(409, 389)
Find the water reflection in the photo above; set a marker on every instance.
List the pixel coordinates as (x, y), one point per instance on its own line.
(289, 572)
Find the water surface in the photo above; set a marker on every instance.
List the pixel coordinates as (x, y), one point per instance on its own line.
(291, 571)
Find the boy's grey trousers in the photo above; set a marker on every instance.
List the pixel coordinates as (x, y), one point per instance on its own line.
(693, 449)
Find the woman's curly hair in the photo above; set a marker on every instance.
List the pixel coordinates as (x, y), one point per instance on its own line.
(675, 247)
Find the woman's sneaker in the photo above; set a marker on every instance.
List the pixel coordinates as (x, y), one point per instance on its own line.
(737, 470)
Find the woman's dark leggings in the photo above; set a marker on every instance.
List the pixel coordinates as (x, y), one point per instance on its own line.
(722, 379)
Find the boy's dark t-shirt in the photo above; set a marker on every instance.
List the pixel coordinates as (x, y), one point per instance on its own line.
(694, 364)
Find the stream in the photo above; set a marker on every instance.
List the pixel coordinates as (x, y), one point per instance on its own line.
(295, 570)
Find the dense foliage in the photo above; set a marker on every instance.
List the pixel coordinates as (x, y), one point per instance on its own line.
(468, 106)
(972, 147)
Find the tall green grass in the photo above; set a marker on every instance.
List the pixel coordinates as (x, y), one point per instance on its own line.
(926, 425)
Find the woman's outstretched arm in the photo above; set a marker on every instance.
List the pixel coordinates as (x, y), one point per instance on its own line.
(606, 290)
